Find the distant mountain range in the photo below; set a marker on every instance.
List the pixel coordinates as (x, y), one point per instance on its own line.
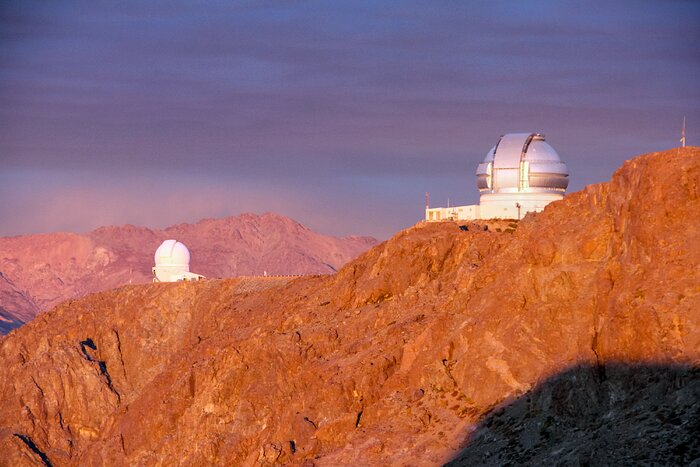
(571, 337)
(39, 271)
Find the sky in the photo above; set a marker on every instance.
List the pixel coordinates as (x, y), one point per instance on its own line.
(339, 114)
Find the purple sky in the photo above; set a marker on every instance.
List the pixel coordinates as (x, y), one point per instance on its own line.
(338, 114)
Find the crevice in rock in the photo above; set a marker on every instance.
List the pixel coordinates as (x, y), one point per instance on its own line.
(308, 420)
(34, 448)
(353, 287)
(102, 365)
(105, 373)
(90, 344)
(192, 383)
(23, 354)
(359, 417)
(448, 370)
(38, 387)
(292, 446)
(119, 349)
(241, 356)
(599, 364)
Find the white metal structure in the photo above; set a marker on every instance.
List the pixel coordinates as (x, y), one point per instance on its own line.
(172, 260)
(683, 134)
(522, 173)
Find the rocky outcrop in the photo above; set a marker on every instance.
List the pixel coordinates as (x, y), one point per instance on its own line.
(50, 268)
(401, 358)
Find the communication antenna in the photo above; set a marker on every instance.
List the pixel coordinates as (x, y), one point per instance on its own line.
(683, 134)
(427, 200)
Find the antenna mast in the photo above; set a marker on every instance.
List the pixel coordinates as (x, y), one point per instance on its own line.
(427, 200)
(683, 134)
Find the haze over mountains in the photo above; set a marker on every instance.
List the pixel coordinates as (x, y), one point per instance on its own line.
(572, 337)
(39, 271)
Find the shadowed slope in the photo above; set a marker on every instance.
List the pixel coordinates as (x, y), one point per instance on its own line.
(630, 414)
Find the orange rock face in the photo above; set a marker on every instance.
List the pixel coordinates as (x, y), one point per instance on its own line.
(40, 271)
(395, 360)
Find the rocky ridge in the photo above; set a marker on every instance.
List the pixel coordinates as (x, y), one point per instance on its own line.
(39, 271)
(403, 357)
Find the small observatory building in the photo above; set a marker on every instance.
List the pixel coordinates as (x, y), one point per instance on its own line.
(522, 173)
(172, 260)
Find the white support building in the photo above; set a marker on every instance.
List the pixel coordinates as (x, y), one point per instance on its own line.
(522, 173)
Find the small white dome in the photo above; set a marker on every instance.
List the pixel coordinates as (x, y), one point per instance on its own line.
(172, 253)
(172, 260)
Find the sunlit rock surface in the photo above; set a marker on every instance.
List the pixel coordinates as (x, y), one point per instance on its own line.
(402, 358)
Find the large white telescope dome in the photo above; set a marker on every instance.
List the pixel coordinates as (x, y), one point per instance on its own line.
(172, 260)
(522, 163)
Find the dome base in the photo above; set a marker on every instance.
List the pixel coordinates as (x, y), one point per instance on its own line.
(514, 205)
(495, 206)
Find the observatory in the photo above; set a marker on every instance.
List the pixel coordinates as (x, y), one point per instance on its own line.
(522, 173)
(172, 260)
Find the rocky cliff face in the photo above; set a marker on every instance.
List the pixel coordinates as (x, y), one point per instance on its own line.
(39, 271)
(408, 356)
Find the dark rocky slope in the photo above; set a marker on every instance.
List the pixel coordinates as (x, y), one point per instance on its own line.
(625, 415)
